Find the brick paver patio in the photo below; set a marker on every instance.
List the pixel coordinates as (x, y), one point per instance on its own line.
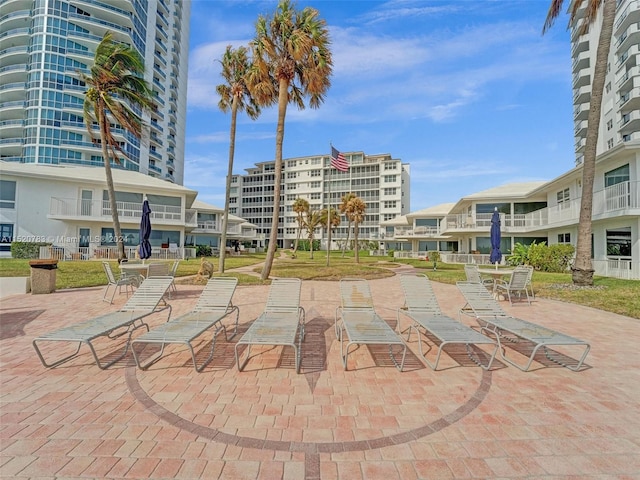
(267, 422)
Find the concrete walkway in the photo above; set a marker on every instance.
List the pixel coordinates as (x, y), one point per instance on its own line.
(267, 422)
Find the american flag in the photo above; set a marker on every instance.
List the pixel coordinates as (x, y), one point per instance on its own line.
(338, 161)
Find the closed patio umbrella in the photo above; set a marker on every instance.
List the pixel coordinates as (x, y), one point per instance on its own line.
(496, 254)
(145, 232)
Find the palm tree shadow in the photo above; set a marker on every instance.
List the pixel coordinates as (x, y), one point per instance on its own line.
(12, 324)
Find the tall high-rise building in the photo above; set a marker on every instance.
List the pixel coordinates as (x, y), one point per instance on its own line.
(620, 120)
(380, 180)
(44, 43)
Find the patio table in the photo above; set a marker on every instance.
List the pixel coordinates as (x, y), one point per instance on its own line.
(497, 274)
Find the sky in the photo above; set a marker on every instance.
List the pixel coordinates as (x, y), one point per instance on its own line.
(469, 93)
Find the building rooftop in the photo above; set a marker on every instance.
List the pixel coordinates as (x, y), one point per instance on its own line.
(96, 175)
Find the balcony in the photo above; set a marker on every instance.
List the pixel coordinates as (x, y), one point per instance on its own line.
(620, 199)
(631, 14)
(581, 111)
(100, 210)
(417, 232)
(630, 122)
(630, 100)
(581, 78)
(580, 128)
(581, 60)
(582, 94)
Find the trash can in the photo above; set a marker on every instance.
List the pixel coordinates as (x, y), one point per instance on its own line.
(43, 275)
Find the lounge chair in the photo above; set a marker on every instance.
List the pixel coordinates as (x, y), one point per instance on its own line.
(145, 301)
(511, 330)
(124, 280)
(357, 318)
(516, 286)
(212, 307)
(282, 320)
(422, 308)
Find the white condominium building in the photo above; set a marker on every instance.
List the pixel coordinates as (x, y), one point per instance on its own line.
(380, 180)
(620, 121)
(44, 43)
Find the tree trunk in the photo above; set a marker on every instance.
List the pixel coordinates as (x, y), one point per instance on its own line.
(311, 246)
(583, 267)
(232, 147)
(329, 234)
(111, 191)
(283, 98)
(295, 245)
(355, 237)
(344, 247)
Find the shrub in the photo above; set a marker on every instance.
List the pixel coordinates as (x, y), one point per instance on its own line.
(304, 245)
(27, 249)
(203, 251)
(546, 258)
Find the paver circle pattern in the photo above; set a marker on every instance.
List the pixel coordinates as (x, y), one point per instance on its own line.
(473, 400)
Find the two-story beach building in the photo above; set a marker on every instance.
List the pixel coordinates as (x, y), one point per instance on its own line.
(68, 208)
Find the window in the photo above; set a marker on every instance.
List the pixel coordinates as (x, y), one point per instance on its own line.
(610, 143)
(390, 204)
(619, 242)
(315, 196)
(390, 191)
(617, 175)
(564, 238)
(563, 198)
(609, 124)
(7, 194)
(390, 178)
(6, 236)
(316, 173)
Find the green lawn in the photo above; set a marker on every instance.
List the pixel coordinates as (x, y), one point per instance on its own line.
(609, 294)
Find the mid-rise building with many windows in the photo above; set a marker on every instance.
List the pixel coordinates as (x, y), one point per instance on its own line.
(380, 180)
(44, 43)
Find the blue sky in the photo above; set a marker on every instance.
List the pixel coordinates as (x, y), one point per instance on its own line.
(468, 92)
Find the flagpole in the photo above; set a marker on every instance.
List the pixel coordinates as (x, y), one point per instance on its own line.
(329, 213)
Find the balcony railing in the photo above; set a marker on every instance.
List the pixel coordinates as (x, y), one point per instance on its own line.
(101, 209)
(416, 232)
(616, 198)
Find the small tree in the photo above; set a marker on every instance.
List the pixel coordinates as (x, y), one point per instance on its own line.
(355, 212)
(292, 61)
(313, 219)
(234, 96)
(343, 209)
(301, 207)
(115, 83)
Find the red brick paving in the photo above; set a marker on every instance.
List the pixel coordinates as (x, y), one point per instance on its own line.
(370, 422)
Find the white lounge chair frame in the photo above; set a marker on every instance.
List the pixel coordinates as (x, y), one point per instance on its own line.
(282, 322)
(214, 304)
(517, 285)
(507, 329)
(357, 319)
(422, 309)
(144, 302)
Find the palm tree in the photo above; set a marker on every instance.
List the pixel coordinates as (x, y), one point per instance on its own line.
(355, 212)
(583, 267)
(234, 96)
(301, 207)
(343, 209)
(291, 60)
(330, 226)
(312, 221)
(115, 83)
